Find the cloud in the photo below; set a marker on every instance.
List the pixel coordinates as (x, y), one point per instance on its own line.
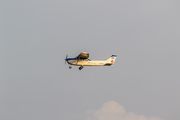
(114, 111)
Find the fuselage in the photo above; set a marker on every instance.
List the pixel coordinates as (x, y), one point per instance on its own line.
(87, 62)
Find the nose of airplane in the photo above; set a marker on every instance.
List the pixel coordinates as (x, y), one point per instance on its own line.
(70, 60)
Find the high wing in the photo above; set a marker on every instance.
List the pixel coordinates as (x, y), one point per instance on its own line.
(83, 55)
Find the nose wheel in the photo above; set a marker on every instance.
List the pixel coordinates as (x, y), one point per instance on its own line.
(70, 67)
(80, 67)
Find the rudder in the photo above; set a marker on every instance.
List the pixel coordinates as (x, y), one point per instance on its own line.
(112, 59)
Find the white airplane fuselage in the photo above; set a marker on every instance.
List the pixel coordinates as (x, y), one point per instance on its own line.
(87, 62)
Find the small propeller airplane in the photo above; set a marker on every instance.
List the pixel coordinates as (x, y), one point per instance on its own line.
(82, 60)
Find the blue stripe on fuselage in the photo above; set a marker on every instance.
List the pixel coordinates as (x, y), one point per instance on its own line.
(71, 59)
(74, 59)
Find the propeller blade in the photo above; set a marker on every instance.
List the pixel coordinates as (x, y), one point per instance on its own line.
(66, 59)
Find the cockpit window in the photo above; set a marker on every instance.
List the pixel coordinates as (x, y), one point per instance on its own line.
(85, 59)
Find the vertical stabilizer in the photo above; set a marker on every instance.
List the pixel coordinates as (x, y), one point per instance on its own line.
(112, 59)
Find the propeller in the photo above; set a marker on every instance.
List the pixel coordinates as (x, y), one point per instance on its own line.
(66, 59)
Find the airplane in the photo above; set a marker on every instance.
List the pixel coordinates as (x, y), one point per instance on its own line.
(82, 60)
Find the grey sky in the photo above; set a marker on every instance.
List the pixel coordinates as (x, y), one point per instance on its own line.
(36, 35)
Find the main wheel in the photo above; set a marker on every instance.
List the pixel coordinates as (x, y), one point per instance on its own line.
(70, 67)
(80, 67)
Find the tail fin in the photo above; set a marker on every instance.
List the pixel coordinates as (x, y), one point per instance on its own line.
(112, 59)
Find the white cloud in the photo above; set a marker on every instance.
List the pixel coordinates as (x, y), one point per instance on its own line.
(114, 111)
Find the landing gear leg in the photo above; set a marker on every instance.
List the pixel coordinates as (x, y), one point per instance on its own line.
(70, 67)
(80, 67)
